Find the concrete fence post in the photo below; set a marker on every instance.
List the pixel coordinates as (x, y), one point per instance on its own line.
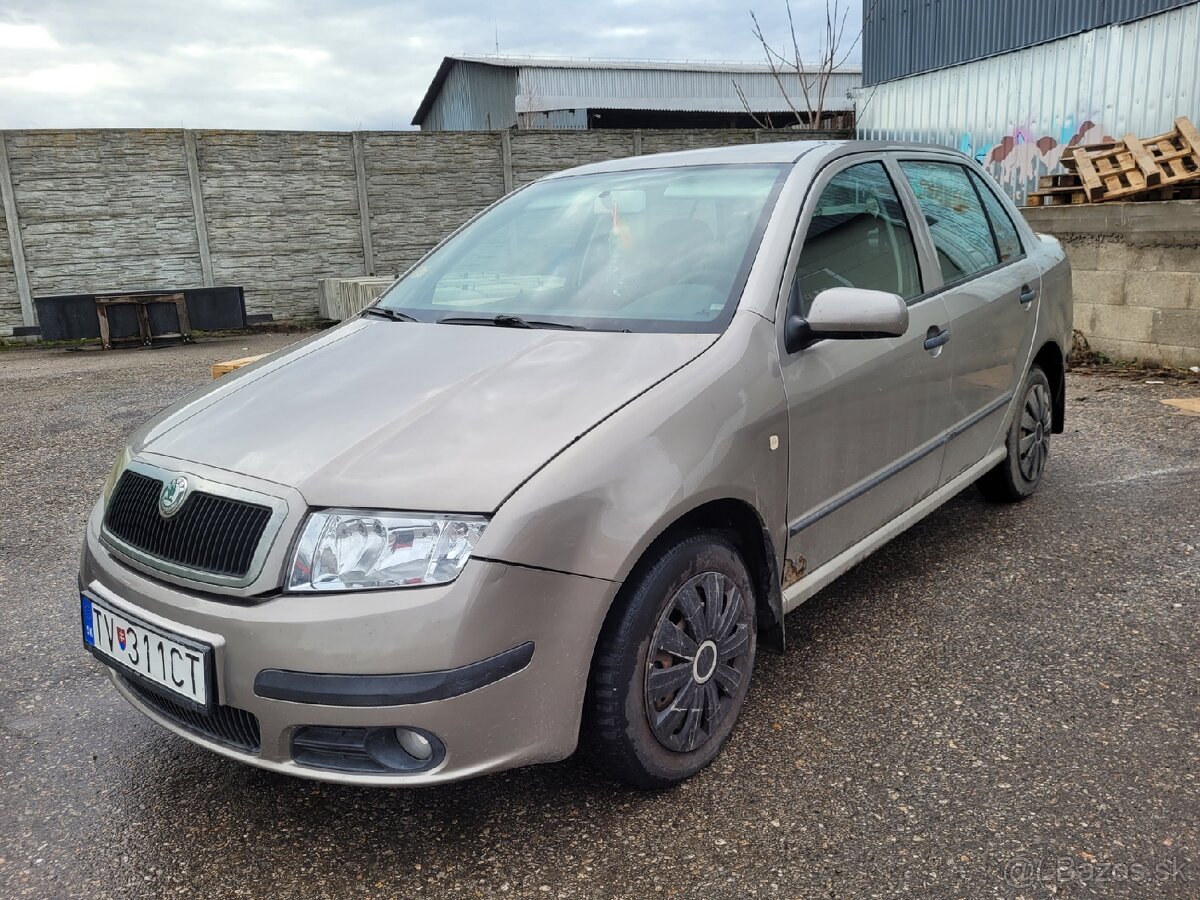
(13, 226)
(506, 159)
(637, 142)
(364, 208)
(193, 170)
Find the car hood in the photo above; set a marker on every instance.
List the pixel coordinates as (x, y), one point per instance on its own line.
(415, 416)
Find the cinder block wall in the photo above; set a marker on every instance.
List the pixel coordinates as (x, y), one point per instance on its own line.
(273, 211)
(1136, 269)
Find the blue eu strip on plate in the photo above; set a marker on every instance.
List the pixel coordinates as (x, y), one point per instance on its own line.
(86, 608)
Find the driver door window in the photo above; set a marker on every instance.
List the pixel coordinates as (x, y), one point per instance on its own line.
(858, 237)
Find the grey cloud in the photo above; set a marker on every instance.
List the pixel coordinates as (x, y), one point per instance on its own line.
(314, 65)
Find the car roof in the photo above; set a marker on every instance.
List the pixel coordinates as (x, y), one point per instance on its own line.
(777, 152)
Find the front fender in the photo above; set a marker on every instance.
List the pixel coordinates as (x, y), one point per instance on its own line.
(705, 433)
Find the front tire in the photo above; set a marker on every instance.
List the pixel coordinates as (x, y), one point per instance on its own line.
(1028, 441)
(672, 665)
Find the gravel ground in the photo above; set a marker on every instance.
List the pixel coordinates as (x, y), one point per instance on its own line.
(1003, 702)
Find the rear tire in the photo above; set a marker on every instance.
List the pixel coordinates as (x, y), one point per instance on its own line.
(672, 665)
(1028, 441)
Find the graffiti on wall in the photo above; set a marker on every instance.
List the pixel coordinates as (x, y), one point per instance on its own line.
(1018, 158)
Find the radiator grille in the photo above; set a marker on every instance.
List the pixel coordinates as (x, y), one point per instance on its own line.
(226, 725)
(210, 534)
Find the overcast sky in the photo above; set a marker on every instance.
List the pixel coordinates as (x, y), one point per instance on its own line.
(308, 64)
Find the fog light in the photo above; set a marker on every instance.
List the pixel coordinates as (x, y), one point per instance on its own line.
(385, 749)
(415, 745)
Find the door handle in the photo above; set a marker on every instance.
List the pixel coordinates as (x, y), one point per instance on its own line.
(1028, 294)
(935, 337)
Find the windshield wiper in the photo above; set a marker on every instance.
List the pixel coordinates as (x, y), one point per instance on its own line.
(393, 314)
(506, 321)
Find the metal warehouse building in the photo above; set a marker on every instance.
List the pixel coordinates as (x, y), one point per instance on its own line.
(1016, 82)
(471, 93)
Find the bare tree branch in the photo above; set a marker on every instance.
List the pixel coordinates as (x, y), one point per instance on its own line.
(746, 106)
(797, 61)
(772, 56)
(832, 53)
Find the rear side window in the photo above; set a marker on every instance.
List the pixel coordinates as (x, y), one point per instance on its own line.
(957, 223)
(1007, 241)
(858, 237)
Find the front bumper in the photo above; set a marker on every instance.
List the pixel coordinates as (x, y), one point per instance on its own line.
(526, 713)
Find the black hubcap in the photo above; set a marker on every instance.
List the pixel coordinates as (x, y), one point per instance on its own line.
(1033, 443)
(698, 660)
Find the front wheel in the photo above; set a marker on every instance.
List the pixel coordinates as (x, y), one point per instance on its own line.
(672, 665)
(1028, 441)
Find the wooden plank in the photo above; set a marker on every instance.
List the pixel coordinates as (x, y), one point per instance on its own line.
(1188, 405)
(1141, 157)
(224, 368)
(1188, 132)
(1071, 189)
(1068, 158)
(1087, 173)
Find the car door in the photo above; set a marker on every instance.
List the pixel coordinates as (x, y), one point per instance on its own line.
(990, 287)
(865, 416)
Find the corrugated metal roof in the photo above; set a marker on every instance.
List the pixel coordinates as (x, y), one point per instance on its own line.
(664, 65)
(1017, 113)
(905, 37)
(573, 84)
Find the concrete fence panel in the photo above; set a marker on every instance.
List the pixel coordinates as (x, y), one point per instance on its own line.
(281, 207)
(539, 153)
(103, 210)
(423, 185)
(10, 297)
(100, 210)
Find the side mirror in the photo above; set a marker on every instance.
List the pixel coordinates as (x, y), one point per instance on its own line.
(847, 313)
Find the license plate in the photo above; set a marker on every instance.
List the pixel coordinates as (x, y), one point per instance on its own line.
(175, 664)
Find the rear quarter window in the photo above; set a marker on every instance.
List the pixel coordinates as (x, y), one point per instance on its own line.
(1008, 242)
(961, 232)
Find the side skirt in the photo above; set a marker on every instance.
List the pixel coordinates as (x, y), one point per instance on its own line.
(824, 574)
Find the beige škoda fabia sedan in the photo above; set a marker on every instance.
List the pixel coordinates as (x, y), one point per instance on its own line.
(563, 480)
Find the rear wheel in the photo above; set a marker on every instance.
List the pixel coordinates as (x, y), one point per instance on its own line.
(1028, 441)
(672, 666)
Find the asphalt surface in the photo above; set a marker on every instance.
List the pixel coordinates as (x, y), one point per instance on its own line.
(1003, 702)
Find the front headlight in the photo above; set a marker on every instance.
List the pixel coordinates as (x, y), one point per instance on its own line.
(118, 470)
(352, 549)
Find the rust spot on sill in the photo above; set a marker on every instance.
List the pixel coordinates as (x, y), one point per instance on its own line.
(793, 571)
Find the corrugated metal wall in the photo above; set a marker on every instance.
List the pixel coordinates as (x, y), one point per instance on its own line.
(553, 119)
(904, 37)
(543, 88)
(1018, 112)
(474, 98)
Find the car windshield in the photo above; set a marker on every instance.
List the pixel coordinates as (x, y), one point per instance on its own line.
(649, 250)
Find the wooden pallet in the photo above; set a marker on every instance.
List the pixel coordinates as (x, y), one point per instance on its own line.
(1068, 157)
(1058, 190)
(1134, 166)
(1058, 197)
(224, 368)
(1066, 196)
(1059, 180)
(1186, 191)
